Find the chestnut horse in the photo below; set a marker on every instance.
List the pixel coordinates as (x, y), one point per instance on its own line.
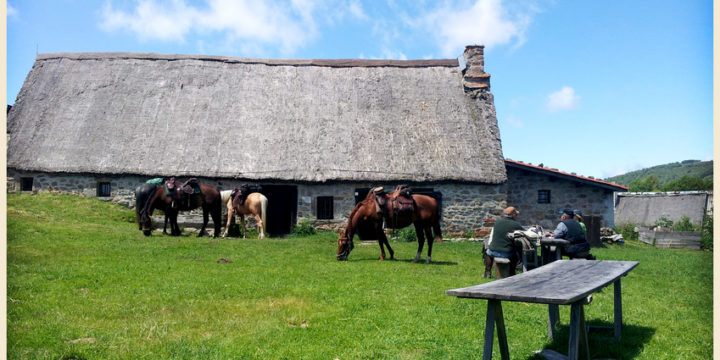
(208, 199)
(255, 204)
(366, 219)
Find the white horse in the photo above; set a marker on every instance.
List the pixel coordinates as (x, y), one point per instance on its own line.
(255, 204)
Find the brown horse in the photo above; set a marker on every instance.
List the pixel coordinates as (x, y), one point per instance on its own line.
(255, 204)
(367, 217)
(424, 216)
(208, 199)
(365, 220)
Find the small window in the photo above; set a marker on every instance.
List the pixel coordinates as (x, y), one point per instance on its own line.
(26, 184)
(103, 188)
(324, 207)
(543, 196)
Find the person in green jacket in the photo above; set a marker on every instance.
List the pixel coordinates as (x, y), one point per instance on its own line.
(500, 245)
(579, 219)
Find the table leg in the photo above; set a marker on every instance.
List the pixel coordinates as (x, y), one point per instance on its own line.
(618, 310)
(578, 344)
(553, 318)
(495, 317)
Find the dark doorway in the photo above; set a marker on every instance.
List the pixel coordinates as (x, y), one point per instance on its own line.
(593, 224)
(282, 208)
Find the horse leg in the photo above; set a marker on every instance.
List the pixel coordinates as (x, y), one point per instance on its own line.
(260, 226)
(382, 239)
(429, 236)
(165, 227)
(174, 227)
(205, 222)
(421, 241)
(231, 213)
(216, 214)
(242, 224)
(387, 243)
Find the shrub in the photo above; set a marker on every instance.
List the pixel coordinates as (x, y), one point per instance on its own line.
(706, 239)
(407, 234)
(663, 221)
(303, 228)
(684, 225)
(627, 231)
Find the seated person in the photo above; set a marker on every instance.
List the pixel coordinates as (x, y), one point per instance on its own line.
(570, 230)
(502, 246)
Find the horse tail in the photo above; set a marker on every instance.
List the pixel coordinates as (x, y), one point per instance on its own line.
(225, 196)
(263, 208)
(436, 227)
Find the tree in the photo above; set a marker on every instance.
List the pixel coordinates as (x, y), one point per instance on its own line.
(646, 184)
(687, 183)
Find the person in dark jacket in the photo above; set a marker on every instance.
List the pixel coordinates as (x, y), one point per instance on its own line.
(500, 245)
(570, 230)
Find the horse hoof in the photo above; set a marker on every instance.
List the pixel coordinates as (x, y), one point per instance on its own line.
(427, 261)
(415, 260)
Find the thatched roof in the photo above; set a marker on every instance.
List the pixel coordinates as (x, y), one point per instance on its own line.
(300, 120)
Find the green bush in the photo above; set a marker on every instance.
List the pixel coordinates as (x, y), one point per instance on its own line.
(303, 228)
(685, 225)
(663, 221)
(407, 234)
(706, 239)
(627, 231)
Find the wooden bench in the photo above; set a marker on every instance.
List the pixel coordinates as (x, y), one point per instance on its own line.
(562, 282)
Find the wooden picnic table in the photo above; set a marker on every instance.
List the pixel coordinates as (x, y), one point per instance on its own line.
(551, 249)
(563, 282)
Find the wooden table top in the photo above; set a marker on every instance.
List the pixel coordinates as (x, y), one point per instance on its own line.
(553, 241)
(561, 282)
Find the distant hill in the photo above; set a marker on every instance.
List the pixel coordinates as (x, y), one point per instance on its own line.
(669, 172)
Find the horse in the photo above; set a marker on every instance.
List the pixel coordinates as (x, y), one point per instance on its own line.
(143, 192)
(366, 219)
(424, 215)
(255, 204)
(208, 199)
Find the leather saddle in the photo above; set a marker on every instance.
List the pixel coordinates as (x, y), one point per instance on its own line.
(189, 187)
(402, 201)
(181, 192)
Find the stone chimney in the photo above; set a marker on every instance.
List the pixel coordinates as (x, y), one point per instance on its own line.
(475, 77)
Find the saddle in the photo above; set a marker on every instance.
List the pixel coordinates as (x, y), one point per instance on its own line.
(402, 201)
(189, 187)
(380, 200)
(181, 192)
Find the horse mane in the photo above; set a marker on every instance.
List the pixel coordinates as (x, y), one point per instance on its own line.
(150, 199)
(357, 207)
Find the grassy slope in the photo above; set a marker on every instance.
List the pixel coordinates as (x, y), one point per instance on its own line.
(668, 172)
(84, 283)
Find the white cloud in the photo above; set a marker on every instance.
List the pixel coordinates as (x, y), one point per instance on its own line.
(563, 99)
(357, 11)
(11, 11)
(251, 23)
(514, 122)
(486, 22)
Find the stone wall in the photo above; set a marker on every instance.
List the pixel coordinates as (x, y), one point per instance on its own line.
(522, 192)
(465, 207)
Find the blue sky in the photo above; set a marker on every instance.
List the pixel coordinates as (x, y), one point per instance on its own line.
(599, 88)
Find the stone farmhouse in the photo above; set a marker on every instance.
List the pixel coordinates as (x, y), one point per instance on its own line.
(542, 192)
(316, 134)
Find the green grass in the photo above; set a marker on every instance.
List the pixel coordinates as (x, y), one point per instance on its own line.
(84, 283)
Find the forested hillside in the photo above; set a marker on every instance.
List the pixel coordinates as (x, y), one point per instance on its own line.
(684, 175)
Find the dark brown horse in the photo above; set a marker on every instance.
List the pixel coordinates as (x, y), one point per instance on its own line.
(367, 217)
(208, 198)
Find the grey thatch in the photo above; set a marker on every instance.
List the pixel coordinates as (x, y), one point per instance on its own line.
(300, 120)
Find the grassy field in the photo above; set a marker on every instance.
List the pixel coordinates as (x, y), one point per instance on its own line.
(83, 283)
